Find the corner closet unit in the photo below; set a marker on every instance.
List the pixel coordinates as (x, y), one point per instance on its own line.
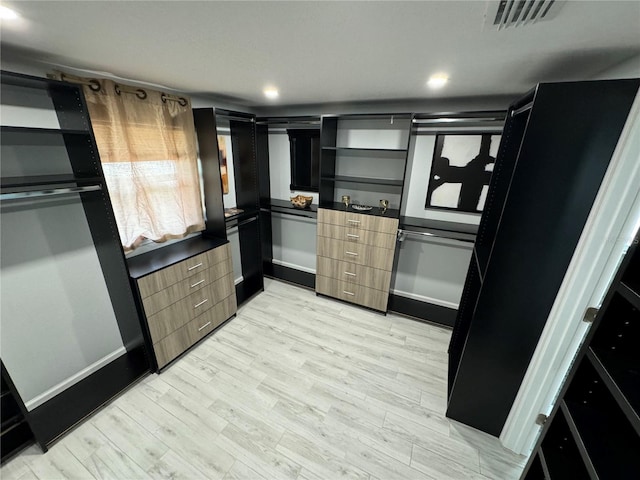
(71, 338)
(555, 149)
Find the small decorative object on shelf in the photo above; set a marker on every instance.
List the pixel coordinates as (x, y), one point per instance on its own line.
(301, 201)
(362, 208)
(346, 199)
(384, 204)
(230, 212)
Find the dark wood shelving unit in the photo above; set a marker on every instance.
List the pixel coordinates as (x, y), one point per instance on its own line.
(48, 421)
(523, 248)
(600, 400)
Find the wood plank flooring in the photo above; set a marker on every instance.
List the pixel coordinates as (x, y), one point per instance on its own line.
(295, 387)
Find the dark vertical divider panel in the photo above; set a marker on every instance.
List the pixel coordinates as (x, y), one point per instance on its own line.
(328, 136)
(264, 189)
(205, 124)
(570, 136)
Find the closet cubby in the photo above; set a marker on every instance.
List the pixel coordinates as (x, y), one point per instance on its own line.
(560, 454)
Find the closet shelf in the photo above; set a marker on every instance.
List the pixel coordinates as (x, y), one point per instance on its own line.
(621, 380)
(363, 180)
(365, 150)
(239, 217)
(23, 183)
(577, 437)
(632, 295)
(284, 206)
(43, 131)
(375, 211)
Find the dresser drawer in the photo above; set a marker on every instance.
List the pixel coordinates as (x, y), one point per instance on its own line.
(179, 313)
(367, 237)
(353, 293)
(174, 344)
(367, 255)
(358, 221)
(162, 299)
(162, 279)
(354, 273)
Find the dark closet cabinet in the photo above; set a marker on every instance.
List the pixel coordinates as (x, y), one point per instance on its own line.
(555, 149)
(71, 337)
(593, 431)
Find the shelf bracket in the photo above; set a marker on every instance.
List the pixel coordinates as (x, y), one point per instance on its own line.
(590, 314)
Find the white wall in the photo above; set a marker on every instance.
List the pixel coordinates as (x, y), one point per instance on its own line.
(294, 242)
(630, 68)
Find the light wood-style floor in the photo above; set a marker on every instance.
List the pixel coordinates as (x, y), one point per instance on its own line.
(295, 387)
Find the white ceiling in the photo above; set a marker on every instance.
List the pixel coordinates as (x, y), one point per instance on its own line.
(317, 52)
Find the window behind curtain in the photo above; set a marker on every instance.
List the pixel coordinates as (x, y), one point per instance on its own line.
(148, 152)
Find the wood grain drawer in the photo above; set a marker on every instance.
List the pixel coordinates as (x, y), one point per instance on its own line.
(162, 299)
(173, 345)
(358, 221)
(367, 237)
(353, 293)
(353, 273)
(162, 279)
(367, 255)
(179, 313)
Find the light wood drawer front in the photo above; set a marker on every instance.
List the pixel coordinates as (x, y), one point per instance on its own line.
(173, 345)
(353, 273)
(353, 293)
(162, 299)
(359, 254)
(367, 237)
(177, 314)
(357, 221)
(192, 266)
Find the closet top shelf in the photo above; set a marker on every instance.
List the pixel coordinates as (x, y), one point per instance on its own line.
(45, 180)
(149, 262)
(366, 149)
(43, 131)
(276, 204)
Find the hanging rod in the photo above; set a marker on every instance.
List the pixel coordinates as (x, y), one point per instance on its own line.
(402, 233)
(522, 109)
(48, 193)
(289, 212)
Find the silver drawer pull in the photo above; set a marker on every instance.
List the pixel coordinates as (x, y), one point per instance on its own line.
(195, 266)
(353, 221)
(351, 253)
(350, 274)
(353, 235)
(204, 326)
(348, 293)
(201, 303)
(197, 283)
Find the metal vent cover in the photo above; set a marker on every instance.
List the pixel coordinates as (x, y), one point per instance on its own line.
(518, 13)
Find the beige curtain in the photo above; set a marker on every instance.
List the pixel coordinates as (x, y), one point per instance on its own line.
(147, 147)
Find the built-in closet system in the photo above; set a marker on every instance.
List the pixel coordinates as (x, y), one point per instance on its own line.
(356, 148)
(556, 146)
(594, 429)
(60, 247)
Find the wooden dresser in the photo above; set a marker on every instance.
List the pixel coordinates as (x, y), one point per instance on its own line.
(355, 257)
(186, 300)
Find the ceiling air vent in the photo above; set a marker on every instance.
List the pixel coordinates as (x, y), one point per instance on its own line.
(518, 13)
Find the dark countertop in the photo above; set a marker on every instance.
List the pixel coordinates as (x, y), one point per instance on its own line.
(375, 211)
(149, 262)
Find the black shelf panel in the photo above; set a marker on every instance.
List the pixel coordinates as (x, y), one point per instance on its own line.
(370, 116)
(375, 211)
(453, 230)
(363, 180)
(366, 150)
(28, 81)
(11, 422)
(608, 449)
(622, 381)
(285, 207)
(44, 131)
(43, 180)
(632, 294)
(149, 262)
(239, 217)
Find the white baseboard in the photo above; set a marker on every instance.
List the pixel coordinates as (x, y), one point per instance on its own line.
(423, 298)
(82, 374)
(238, 280)
(293, 265)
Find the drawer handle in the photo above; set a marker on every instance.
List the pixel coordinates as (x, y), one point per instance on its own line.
(194, 267)
(197, 283)
(204, 326)
(351, 253)
(348, 293)
(350, 274)
(201, 303)
(353, 221)
(353, 235)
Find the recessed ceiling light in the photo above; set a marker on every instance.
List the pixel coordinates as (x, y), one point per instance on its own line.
(271, 92)
(438, 81)
(7, 14)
